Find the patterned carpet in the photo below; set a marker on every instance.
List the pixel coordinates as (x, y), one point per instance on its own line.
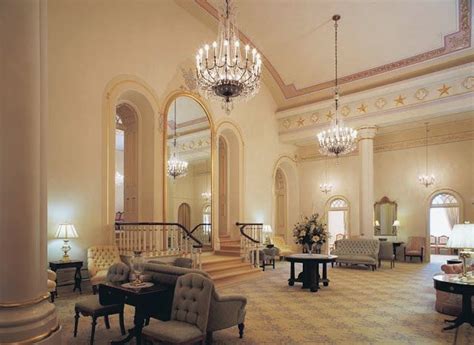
(389, 306)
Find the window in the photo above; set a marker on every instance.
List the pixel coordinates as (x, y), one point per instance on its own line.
(337, 218)
(444, 213)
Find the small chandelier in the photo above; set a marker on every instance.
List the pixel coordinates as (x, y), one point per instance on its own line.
(176, 167)
(425, 179)
(222, 71)
(206, 196)
(338, 139)
(325, 187)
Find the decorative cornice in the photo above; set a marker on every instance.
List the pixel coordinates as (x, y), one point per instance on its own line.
(453, 42)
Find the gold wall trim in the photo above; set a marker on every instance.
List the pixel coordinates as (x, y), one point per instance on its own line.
(26, 303)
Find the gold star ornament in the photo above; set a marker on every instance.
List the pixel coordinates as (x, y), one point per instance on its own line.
(444, 90)
(300, 122)
(363, 108)
(400, 100)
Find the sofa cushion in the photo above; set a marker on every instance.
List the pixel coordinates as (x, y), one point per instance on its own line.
(165, 274)
(100, 277)
(172, 331)
(362, 259)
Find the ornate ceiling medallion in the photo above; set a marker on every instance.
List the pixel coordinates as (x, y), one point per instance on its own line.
(338, 139)
(222, 71)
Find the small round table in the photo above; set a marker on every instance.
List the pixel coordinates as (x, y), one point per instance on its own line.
(310, 275)
(451, 283)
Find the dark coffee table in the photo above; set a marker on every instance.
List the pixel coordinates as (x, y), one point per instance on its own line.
(310, 276)
(145, 301)
(451, 283)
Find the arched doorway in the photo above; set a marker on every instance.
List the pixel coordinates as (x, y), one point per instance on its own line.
(126, 163)
(337, 215)
(281, 203)
(445, 210)
(184, 215)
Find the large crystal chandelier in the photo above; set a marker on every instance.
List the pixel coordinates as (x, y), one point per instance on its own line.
(425, 179)
(338, 139)
(225, 72)
(176, 167)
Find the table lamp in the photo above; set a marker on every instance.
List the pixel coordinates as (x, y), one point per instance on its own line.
(396, 225)
(267, 230)
(462, 237)
(65, 232)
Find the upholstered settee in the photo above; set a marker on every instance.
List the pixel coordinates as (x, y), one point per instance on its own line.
(283, 248)
(99, 260)
(450, 303)
(357, 251)
(225, 311)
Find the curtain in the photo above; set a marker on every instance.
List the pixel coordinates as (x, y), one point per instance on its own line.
(452, 214)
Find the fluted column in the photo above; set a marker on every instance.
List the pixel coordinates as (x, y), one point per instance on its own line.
(366, 193)
(26, 315)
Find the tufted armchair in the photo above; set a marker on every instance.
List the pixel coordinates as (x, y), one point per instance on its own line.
(415, 248)
(450, 303)
(99, 259)
(51, 284)
(189, 313)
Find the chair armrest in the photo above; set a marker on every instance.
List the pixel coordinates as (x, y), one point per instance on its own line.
(231, 298)
(51, 275)
(91, 268)
(226, 311)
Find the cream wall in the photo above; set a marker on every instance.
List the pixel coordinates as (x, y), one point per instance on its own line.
(90, 42)
(396, 174)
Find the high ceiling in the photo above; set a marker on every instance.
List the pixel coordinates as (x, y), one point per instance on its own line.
(379, 41)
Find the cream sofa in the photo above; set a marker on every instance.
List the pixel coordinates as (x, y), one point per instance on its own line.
(357, 251)
(99, 259)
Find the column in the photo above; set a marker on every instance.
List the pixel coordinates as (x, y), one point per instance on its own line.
(366, 194)
(26, 315)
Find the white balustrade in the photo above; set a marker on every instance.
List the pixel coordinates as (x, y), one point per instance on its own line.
(251, 235)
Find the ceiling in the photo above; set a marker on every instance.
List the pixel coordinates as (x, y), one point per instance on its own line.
(379, 41)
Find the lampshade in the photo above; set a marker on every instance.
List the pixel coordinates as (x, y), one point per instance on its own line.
(396, 223)
(462, 236)
(66, 231)
(267, 228)
(377, 223)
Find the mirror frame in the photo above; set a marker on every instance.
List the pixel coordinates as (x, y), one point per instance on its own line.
(377, 229)
(169, 101)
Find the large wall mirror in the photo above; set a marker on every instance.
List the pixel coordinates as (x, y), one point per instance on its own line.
(189, 168)
(385, 212)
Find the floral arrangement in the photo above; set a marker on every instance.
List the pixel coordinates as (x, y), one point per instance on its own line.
(310, 231)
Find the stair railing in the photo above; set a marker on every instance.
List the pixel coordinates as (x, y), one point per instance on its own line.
(158, 239)
(203, 232)
(251, 235)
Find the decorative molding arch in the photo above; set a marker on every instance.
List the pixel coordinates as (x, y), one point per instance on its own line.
(111, 97)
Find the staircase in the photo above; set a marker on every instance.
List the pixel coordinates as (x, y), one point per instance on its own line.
(228, 268)
(229, 247)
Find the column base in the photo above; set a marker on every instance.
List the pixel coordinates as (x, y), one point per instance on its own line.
(31, 323)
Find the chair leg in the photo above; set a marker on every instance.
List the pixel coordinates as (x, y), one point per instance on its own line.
(51, 295)
(241, 330)
(208, 338)
(94, 323)
(94, 289)
(76, 322)
(122, 324)
(107, 322)
(273, 263)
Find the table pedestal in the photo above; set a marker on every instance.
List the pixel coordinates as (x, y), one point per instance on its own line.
(465, 316)
(309, 276)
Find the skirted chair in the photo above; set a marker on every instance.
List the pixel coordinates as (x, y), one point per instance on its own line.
(284, 249)
(189, 314)
(225, 311)
(386, 253)
(52, 284)
(267, 257)
(450, 303)
(99, 260)
(415, 247)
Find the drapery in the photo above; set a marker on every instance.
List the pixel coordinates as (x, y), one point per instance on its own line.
(452, 214)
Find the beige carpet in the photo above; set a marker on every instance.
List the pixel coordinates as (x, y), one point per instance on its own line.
(389, 306)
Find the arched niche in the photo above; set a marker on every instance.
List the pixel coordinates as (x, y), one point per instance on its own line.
(190, 138)
(129, 94)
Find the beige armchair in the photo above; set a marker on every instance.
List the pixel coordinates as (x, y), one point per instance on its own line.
(415, 248)
(99, 259)
(279, 242)
(52, 284)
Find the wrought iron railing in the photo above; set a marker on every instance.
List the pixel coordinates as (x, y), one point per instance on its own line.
(203, 232)
(158, 239)
(251, 235)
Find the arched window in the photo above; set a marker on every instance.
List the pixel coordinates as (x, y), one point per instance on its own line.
(337, 219)
(444, 213)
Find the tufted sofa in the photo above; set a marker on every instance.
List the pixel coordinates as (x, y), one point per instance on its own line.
(450, 303)
(357, 251)
(99, 259)
(225, 311)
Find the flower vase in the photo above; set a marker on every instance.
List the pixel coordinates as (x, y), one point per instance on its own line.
(307, 248)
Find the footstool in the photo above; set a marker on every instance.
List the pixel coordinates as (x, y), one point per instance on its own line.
(91, 307)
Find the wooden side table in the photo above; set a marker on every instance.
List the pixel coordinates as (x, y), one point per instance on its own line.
(59, 265)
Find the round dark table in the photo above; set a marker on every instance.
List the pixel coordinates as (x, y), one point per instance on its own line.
(451, 283)
(310, 276)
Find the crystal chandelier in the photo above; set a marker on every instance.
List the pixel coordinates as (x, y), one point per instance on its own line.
(425, 179)
(176, 167)
(338, 139)
(222, 71)
(206, 196)
(325, 187)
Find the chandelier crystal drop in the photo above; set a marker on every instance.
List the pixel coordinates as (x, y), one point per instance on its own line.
(426, 179)
(338, 139)
(176, 167)
(224, 70)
